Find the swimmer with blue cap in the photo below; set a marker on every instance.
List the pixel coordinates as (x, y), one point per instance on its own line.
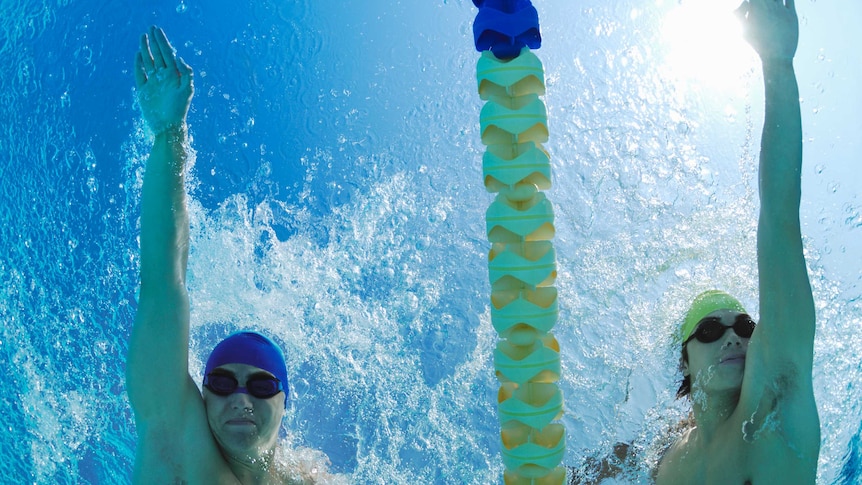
(228, 431)
(753, 415)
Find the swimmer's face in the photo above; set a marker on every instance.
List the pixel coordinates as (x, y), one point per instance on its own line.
(244, 426)
(720, 365)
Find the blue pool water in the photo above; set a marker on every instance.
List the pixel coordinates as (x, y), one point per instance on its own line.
(337, 204)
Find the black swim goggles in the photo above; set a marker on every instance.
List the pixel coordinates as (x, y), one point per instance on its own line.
(261, 386)
(711, 329)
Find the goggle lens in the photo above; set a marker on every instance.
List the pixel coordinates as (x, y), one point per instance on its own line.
(263, 387)
(711, 329)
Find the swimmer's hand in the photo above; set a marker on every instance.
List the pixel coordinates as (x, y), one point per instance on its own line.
(771, 27)
(164, 83)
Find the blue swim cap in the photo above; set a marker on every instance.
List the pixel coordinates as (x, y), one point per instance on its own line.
(250, 348)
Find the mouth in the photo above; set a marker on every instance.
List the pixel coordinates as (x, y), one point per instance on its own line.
(733, 359)
(241, 422)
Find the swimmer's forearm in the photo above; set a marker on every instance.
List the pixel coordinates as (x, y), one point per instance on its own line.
(164, 218)
(781, 143)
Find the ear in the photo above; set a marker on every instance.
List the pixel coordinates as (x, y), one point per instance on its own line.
(684, 367)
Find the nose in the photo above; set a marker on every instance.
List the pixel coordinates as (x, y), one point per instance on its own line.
(732, 339)
(240, 400)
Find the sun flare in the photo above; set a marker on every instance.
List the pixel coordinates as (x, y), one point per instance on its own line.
(705, 44)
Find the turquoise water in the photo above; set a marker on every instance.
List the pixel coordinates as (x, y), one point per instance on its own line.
(337, 204)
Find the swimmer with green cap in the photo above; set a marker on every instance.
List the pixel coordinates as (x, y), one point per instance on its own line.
(228, 432)
(703, 322)
(752, 401)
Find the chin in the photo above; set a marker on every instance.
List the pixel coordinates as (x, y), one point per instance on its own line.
(237, 445)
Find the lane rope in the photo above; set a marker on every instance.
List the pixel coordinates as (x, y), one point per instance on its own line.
(520, 227)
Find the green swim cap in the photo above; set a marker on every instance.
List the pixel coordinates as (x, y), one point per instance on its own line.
(704, 304)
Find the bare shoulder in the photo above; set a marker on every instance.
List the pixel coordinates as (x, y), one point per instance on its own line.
(177, 446)
(306, 466)
(671, 465)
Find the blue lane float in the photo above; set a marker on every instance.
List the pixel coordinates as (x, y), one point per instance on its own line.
(504, 27)
(520, 225)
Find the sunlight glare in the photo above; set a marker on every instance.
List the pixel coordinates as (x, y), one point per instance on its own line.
(705, 44)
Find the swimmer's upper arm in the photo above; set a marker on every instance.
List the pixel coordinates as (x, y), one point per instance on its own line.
(157, 369)
(178, 448)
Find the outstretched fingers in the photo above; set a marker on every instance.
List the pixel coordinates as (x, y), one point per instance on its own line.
(168, 55)
(742, 10)
(140, 71)
(158, 58)
(146, 55)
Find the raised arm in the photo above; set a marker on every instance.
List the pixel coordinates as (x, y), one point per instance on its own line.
(787, 322)
(157, 368)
